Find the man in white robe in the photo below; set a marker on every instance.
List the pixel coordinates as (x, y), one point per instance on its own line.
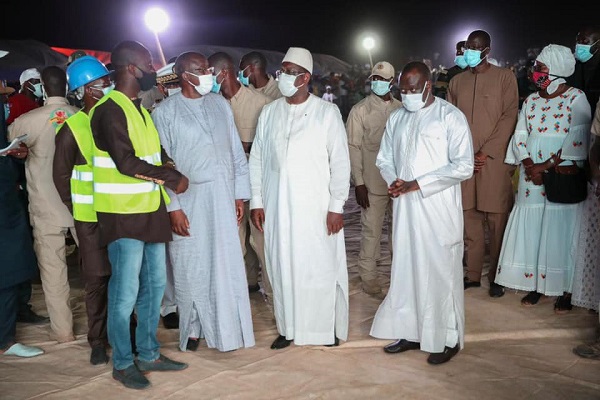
(425, 153)
(197, 130)
(300, 178)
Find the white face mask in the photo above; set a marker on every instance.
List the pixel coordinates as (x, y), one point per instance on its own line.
(414, 101)
(171, 92)
(286, 84)
(103, 89)
(205, 83)
(36, 89)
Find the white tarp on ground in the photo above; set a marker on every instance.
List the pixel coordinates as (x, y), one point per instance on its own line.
(511, 352)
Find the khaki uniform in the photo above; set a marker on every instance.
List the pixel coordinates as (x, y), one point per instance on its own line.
(246, 105)
(50, 218)
(365, 127)
(490, 101)
(271, 89)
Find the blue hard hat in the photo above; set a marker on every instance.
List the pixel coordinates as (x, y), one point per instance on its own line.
(84, 70)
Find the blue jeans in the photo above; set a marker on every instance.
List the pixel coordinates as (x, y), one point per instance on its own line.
(138, 280)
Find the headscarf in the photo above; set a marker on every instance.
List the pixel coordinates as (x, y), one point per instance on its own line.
(560, 62)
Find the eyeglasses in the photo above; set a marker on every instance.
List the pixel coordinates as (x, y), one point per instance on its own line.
(202, 71)
(288, 72)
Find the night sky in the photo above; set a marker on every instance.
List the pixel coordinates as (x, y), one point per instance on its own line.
(405, 29)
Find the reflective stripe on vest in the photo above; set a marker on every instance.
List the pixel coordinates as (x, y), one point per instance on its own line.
(82, 177)
(114, 192)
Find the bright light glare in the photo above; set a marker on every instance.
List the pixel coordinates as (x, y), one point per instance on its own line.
(368, 43)
(157, 20)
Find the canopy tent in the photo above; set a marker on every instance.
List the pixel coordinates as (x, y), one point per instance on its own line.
(25, 54)
(323, 63)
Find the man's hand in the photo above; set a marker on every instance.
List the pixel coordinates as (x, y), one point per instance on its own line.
(21, 153)
(258, 218)
(399, 187)
(239, 210)
(362, 196)
(335, 222)
(182, 185)
(480, 159)
(180, 223)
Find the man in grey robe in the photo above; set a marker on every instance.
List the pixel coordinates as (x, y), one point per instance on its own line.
(198, 131)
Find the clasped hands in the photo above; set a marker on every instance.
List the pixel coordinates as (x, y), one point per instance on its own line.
(399, 187)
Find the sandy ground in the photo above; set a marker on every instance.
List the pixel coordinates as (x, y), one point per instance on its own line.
(511, 352)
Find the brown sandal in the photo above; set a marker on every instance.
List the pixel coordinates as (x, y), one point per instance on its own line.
(531, 299)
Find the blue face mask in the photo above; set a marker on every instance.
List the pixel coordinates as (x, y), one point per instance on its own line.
(216, 85)
(6, 111)
(380, 88)
(244, 80)
(472, 57)
(460, 61)
(583, 52)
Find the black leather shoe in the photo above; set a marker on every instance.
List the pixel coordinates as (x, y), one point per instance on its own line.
(27, 316)
(131, 377)
(192, 344)
(171, 321)
(445, 356)
(401, 345)
(336, 343)
(99, 356)
(162, 363)
(470, 284)
(280, 343)
(496, 290)
(253, 288)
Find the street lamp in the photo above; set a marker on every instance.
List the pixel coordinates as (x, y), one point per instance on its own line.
(157, 20)
(369, 43)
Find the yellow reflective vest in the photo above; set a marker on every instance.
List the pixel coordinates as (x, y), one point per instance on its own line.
(114, 192)
(82, 188)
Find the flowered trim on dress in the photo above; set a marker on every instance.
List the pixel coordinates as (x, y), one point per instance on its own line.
(544, 109)
(557, 126)
(561, 105)
(540, 155)
(532, 108)
(528, 275)
(527, 192)
(542, 129)
(577, 144)
(543, 276)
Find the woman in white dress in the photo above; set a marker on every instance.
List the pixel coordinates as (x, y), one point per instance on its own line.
(553, 128)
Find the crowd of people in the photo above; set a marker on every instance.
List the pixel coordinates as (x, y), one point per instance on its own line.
(190, 187)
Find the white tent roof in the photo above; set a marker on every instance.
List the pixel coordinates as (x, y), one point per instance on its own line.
(323, 64)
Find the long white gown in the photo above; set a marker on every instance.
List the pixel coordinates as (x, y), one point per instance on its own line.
(208, 268)
(538, 248)
(300, 170)
(425, 302)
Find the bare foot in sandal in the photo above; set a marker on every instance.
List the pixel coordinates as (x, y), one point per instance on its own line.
(531, 299)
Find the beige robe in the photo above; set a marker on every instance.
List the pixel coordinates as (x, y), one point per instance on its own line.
(490, 101)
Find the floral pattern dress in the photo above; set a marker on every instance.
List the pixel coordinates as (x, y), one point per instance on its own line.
(538, 247)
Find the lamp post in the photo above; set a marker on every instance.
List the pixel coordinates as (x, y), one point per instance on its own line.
(369, 43)
(157, 20)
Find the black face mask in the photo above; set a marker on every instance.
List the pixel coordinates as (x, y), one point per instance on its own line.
(147, 81)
